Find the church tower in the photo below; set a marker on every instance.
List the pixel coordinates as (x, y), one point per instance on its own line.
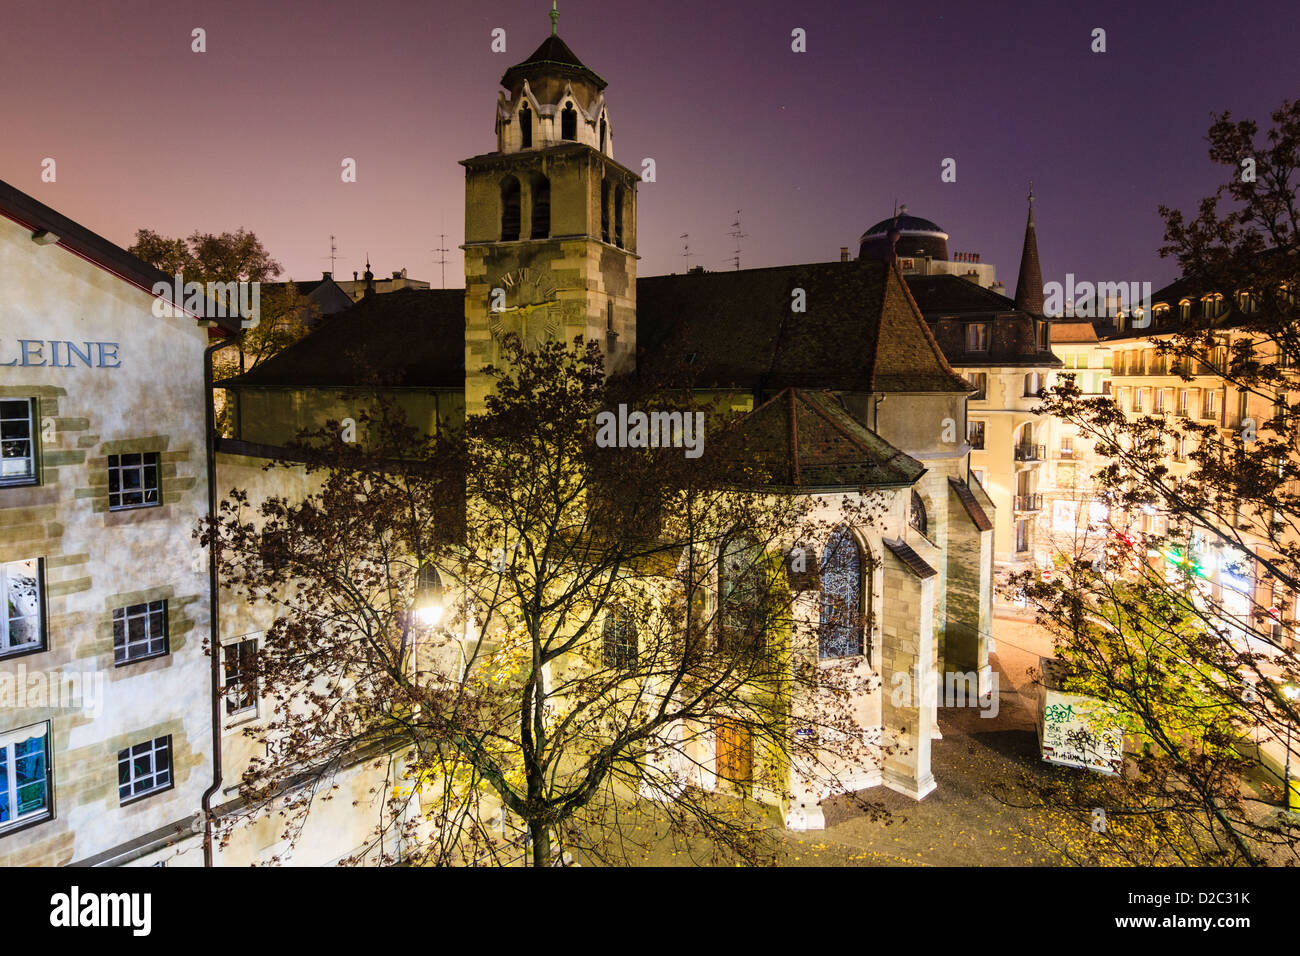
(550, 220)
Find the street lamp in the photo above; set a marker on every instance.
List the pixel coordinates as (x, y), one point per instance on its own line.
(1291, 691)
(429, 606)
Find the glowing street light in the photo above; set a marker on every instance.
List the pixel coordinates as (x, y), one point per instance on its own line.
(429, 606)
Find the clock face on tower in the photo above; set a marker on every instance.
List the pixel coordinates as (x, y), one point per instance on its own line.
(523, 302)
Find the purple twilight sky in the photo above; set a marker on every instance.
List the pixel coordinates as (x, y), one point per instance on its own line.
(811, 147)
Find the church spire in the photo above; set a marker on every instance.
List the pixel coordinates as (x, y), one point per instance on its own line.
(1029, 285)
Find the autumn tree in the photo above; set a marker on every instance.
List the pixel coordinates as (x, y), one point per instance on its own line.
(1180, 609)
(584, 642)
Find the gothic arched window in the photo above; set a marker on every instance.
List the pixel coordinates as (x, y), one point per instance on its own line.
(840, 632)
(618, 216)
(568, 122)
(525, 127)
(918, 517)
(541, 188)
(604, 129)
(740, 593)
(509, 209)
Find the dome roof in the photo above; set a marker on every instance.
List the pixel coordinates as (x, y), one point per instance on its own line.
(906, 224)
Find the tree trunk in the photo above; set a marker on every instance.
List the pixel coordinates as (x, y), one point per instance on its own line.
(541, 840)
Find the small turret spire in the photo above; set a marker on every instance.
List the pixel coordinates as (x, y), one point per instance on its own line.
(555, 17)
(1029, 284)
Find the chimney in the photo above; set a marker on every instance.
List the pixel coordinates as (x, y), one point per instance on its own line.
(844, 253)
(327, 275)
(354, 275)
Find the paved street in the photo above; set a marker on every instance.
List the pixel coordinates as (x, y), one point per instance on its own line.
(960, 823)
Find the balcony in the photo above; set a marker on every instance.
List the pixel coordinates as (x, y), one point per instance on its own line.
(1025, 452)
(1028, 503)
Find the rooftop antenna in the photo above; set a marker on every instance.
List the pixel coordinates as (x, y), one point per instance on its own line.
(555, 17)
(443, 261)
(686, 249)
(737, 235)
(334, 254)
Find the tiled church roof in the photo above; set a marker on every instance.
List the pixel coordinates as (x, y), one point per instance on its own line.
(414, 338)
(861, 330)
(806, 439)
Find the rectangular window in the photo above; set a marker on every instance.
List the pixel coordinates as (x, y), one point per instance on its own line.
(980, 380)
(979, 475)
(1067, 446)
(619, 644)
(1065, 476)
(133, 481)
(22, 623)
(241, 676)
(139, 632)
(977, 337)
(975, 434)
(145, 768)
(1158, 401)
(1139, 399)
(28, 784)
(1211, 404)
(17, 441)
(1184, 402)
(1022, 535)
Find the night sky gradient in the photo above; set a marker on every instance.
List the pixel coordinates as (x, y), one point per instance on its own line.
(811, 147)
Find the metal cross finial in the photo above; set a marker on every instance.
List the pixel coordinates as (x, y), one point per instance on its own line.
(555, 17)
(1031, 192)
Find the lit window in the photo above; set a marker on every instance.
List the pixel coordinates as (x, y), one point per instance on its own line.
(975, 435)
(28, 784)
(17, 441)
(980, 381)
(145, 768)
(133, 481)
(21, 625)
(139, 632)
(977, 337)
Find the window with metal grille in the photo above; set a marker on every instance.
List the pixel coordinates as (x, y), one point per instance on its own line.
(618, 636)
(139, 631)
(133, 481)
(17, 441)
(144, 768)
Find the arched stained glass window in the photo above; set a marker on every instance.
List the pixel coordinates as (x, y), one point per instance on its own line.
(841, 633)
(740, 596)
(918, 517)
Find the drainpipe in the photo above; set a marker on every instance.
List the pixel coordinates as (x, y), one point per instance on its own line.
(214, 598)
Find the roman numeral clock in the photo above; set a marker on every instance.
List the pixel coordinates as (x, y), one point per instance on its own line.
(523, 302)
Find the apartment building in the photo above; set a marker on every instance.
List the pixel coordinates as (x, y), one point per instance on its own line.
(105, 713)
